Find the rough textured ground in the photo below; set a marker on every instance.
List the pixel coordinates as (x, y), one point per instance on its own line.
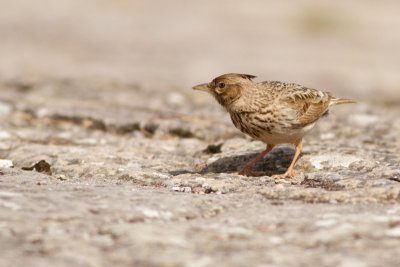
(108, 157)
(133, 185)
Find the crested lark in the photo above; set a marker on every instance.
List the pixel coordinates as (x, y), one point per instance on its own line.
(273, 112)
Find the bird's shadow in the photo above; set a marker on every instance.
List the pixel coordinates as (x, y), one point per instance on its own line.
(275, 162)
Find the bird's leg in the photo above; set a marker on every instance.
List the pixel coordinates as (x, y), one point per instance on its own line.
(246, 169)
(289, 172)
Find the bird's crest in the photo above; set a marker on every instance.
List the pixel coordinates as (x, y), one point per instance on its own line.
(247, 76)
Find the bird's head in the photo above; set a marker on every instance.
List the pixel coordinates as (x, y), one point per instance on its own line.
(227, 88)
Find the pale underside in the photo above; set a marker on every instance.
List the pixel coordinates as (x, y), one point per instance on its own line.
(280, 112)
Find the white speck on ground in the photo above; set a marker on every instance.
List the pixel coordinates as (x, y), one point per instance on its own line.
(6, 163)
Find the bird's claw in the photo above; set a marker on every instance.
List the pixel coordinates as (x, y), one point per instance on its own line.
(246, 171)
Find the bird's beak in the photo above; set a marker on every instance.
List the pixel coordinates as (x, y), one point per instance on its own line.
(202, 87)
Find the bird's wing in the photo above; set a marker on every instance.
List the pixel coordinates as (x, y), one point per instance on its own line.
(308, 104)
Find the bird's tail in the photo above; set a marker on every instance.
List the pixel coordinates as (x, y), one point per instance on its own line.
(337, 101)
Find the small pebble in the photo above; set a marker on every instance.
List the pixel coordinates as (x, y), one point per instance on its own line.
(187, 189)
(176, 188)
(5, 163)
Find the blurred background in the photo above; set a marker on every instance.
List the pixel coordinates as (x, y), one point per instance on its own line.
(347, 47)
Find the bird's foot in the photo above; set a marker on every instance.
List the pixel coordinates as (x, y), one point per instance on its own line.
(246, 172)
(287, 174)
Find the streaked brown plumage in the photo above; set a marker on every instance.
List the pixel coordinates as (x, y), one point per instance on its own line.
(273, 112)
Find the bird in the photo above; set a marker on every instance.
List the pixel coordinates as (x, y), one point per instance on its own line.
(273, 112)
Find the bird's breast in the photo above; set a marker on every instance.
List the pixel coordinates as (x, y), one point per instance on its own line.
(268, 127)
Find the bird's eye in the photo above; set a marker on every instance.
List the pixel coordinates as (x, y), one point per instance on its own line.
(221, 85)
